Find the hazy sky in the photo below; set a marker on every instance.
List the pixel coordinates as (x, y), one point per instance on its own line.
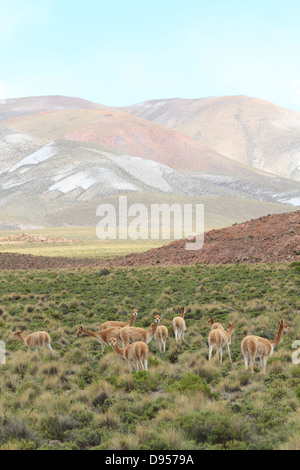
(119, 52)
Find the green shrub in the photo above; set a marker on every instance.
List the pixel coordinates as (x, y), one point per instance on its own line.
(191, 383)
(212, 428)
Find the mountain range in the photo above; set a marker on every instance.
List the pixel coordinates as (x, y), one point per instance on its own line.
(248, 130)
(60, 157)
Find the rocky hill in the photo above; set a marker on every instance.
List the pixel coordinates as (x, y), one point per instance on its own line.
(274, 238)
(270, 239)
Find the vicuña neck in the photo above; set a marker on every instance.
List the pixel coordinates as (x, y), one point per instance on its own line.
(230, 330)
(153, 328)
(118, 349)
(89, 333)
(278, 338)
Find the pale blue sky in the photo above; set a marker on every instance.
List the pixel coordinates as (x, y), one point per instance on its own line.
(119, 52)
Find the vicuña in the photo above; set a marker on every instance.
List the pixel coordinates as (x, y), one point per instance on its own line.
(161, 337)
(137, 352)
(120, 324)
(255, 346)
(220, 338)
(131, 334)
(179, 325)
(102, 337)
(36, 340)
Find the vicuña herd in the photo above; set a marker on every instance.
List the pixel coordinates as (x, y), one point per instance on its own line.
(133, 341)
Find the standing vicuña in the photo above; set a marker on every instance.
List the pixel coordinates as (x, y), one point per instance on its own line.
(137, 352)
(36, 340)
(161, 336)
(220, 338)
(255, 346)
(102, 337)
(214, 325)
(179, 325)
(131, 334)
(120, 324)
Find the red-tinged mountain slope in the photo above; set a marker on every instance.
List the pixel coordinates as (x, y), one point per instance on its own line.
(129, 135)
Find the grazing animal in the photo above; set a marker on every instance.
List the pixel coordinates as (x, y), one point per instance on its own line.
(36, 340)
(102, 337)
(120, 324)
(179, 325)
(137, 352)
(214, 325)
(220, 338)
(131, 334)
(161, 336)
(255, 346)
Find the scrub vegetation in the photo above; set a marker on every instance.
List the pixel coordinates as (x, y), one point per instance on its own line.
(81, 399)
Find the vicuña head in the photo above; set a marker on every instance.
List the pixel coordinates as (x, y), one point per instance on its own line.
(284, 325)
(214, 325)
(17, 334)
(112, 342)
(80, 331)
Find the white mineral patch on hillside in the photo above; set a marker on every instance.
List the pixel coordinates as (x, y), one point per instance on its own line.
(146, 171)
(37, 157)
(86, 179)
(295, 201)
(14, 183)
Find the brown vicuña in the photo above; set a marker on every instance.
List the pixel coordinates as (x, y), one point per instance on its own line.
(120, 324)
(161, 337)
(255, 346)
(179, 325)
(220, 338)
(102, 337)
(214, 325)
(137, 352)
(36, 340)
(131, 334)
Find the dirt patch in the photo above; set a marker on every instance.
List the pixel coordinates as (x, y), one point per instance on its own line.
(30, 238)
(274, 238)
